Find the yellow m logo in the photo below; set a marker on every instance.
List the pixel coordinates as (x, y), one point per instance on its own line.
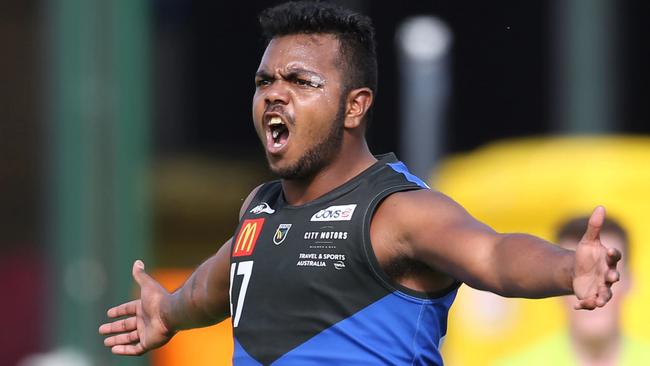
(247, 237)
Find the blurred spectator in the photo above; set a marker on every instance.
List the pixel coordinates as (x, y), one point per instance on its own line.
(593, 337)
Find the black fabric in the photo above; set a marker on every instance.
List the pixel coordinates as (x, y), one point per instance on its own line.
(315, 273)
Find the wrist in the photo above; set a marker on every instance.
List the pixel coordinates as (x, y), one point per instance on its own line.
(169, 318)
(569, 272)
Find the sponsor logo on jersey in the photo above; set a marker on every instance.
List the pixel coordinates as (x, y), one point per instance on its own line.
(281, 233)
(262, 208)
(247, 237)
(335, 213)
(325, 235)
(320, 260)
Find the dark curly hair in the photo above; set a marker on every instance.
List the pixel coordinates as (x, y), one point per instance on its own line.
(354, 31)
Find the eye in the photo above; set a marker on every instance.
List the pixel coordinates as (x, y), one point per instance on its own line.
(262, 82)
(306, 83)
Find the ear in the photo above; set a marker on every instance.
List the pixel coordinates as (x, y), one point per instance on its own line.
(357, 104)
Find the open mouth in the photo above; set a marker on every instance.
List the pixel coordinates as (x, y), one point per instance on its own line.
(277, 135)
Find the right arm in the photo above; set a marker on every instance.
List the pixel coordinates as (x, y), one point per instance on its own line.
(152, 320)
(203, 298)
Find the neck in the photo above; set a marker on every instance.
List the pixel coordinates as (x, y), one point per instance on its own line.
(349, 162)
(597, 350)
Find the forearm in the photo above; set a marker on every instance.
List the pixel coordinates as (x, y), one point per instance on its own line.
(527, 266)
(203, 298)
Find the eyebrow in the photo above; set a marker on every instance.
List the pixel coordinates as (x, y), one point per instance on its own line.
(292, 71)
(262, 74)
(300, 70)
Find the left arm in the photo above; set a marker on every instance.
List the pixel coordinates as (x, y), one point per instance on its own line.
(439, 232)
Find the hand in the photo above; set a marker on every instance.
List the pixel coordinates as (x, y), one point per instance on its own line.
(143, 327)
(595, 266)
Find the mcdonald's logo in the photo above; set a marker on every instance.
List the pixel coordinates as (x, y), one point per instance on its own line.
(247, 237)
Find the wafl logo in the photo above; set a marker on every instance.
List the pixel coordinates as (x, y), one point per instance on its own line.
(281, 233)
(335, 213)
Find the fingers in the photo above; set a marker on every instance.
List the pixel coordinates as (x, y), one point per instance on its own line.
(128, 349)
(613, 256)
(127, 342)
(586, 304)
(119, 326)
(128, 308)
(601, 299)
(122, 339)
(604, 295)
(595, 223)
(611, 277)
(138, 272)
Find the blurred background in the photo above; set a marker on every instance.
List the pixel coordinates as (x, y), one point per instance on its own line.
(126, 133)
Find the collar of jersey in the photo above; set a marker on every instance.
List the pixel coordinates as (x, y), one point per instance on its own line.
(346, 187)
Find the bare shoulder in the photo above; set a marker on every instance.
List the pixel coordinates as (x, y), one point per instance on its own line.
(400, 213)
(248, 200)
(406, 231)
(423, 221)
(410, 207)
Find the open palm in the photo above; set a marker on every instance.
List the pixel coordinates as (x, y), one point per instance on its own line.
(142, 327)
(595, 266)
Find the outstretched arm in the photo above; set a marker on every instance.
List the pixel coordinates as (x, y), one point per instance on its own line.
(151, 321)
(441, 233)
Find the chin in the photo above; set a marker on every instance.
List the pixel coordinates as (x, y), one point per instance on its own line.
(280, 168)
(295, 171)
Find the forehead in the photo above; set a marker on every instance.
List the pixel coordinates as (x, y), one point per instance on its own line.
(316, 52)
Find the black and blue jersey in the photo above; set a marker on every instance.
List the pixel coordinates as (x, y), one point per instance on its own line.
(307, 289)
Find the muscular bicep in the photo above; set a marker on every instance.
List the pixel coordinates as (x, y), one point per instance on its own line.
(438, 232)
(218, 279)
(442, 234)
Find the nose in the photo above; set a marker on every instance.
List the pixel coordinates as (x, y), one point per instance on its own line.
(276, 93)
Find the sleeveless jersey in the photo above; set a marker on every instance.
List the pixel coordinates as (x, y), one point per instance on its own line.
(307, 289)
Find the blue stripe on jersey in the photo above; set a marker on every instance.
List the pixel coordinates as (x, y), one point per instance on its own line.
(401, 168)
(241, 358)
(395, 330)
